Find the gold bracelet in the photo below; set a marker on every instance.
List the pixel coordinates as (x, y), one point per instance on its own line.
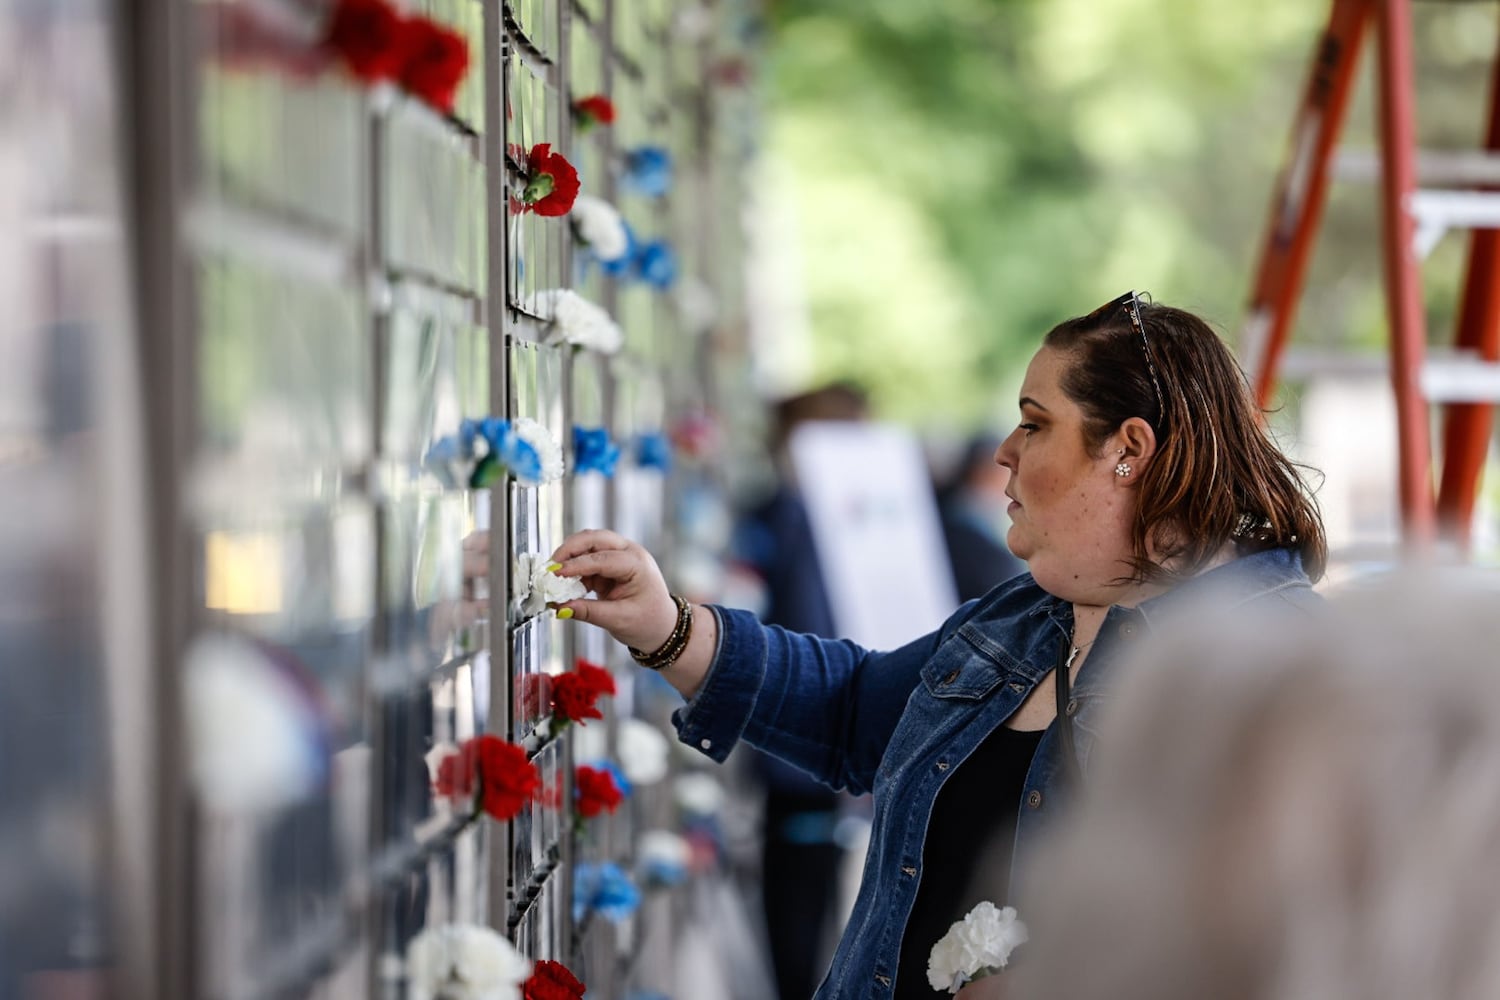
(667, 653)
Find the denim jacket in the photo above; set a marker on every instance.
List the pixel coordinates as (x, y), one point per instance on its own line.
(898, 723)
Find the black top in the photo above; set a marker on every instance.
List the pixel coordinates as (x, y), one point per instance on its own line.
(966, 856)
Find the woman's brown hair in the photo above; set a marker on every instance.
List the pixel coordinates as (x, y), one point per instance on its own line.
(1216, 476)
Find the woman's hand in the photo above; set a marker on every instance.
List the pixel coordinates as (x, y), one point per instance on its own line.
(633, 603)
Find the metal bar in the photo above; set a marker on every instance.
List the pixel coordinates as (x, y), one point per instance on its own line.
(1436, 168)
(499, 846)
(1301, 191)
(1466, 435)
(163, 96)
(1402, 276)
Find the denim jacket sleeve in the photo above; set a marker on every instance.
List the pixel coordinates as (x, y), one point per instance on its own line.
(826, 706)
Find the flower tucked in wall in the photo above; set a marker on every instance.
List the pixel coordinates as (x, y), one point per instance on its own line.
(596, 109)
(464, 962)
(576, 320)
(598, 227)
(593, 451)
(595, 791)
(367, 37)
(662, 859)
(551, 182)
(653, 451)
(644, 752)
(375, 42)
(695, 434)
(434, 63)
(496, 773)
(575, 694)
(603, 888)
(524, 448)
(537, 587)
(553, 981)
(648, 171)
(698, 794)
(656, 264)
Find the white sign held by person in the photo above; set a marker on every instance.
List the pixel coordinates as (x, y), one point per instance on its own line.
(876, 528)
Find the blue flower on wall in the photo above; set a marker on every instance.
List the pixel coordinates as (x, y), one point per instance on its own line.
(656, 264)
(648, 171)
(593, 451)
(653, 451)
(603, 888)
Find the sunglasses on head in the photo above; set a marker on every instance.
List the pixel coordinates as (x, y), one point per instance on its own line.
(1132, 304)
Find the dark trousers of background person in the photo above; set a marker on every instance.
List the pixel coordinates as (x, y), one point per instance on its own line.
(802, 866)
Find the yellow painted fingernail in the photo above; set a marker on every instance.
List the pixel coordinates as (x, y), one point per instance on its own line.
(553, 567)
(565, 613)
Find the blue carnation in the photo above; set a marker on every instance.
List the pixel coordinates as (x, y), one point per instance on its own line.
(593, 451)
(656, 264)
(605, 889)
(648, 171)
(523, 460)
(653, 451)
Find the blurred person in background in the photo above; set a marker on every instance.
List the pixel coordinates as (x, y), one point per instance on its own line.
(1144, 487)
(1289, 814)
(971, 506)
(800, 859)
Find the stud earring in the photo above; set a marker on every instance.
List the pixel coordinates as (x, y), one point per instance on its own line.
(1123, 469)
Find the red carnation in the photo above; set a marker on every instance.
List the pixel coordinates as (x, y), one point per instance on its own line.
(552, 981)
(509, 779)
(505, 778)
(595, 677)
(595, 791)
(596, 109)
(573, 699)
(551, 182)
(368, 35)
(434, 61)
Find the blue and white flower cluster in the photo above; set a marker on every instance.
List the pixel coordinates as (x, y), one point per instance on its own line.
(490, 448)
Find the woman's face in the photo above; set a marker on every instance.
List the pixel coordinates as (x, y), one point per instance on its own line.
(1070, 515)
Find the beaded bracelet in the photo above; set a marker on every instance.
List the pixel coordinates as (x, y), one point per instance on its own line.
(668, 652)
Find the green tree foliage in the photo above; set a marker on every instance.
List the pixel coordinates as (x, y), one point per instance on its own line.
(965, 173)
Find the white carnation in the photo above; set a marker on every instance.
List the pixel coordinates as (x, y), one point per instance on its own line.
(664, 848)
(597, 225)
(536, 586)
(576, 320)
(464, 962)
(981, 942)
(247, 745)
(644, 752)
(698, 793)
(547, 448)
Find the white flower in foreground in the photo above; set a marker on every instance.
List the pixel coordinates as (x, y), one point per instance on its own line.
(545, 445)
(248, 741)
(699, 793)
(979, 943)
(577, 321)
(644, 752)
(597, 225)
(464, 962)
(536, 586)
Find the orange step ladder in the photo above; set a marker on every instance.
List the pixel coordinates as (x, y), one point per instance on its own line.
(1413, 221)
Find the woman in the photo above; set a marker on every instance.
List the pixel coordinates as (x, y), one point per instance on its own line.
(1142, 484)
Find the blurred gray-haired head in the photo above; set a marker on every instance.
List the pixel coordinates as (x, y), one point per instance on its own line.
(1309, 811)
